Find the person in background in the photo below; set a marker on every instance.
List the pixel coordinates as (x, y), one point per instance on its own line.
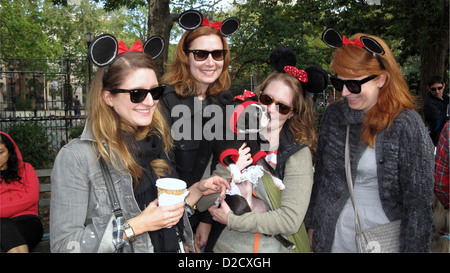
(76, 106)
(435, 107)
(391, 153)
(440, 241)
(441, 187)
(125, 129)
(21, 228)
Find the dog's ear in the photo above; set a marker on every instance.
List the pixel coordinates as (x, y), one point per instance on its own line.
(230, 26)
(190, 19)
(154, 46)
(103, 50)
(226, 97)
(317, 79)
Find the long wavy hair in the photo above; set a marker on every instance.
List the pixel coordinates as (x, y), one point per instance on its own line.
(178, 74)
(108, 126)
(394, 96)
(302, 122)
(11, 173)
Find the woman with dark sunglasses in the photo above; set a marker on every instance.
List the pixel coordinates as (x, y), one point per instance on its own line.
(194, 79)
(126, 129)
(292, 137)
(391, 154)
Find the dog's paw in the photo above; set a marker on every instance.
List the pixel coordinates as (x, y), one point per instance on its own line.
(235, 173)
(278, 183)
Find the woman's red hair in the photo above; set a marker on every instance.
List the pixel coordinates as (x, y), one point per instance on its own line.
(394, 97)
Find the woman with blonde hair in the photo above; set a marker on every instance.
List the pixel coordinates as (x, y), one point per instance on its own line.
(126, 131)
(391, 154)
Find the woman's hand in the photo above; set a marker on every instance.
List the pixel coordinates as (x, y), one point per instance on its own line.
(156, 217)
(245, 158)
(201, 236)
(220, 214)
(213, 184)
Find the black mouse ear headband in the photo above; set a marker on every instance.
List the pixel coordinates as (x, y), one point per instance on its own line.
(192, 19)
(334, 39)
(105, 48)
(314, 79)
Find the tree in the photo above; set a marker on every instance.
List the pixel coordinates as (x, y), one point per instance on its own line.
(160, 19)
(266, 25)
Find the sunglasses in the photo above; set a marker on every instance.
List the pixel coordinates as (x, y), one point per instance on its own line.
(354, 86)
(201, 55)
(268, 100)
(434, 89)
(139, 95)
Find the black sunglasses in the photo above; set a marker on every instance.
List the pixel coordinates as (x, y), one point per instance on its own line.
(354, 86)
(268, 100)
(139, 95)
(201, 55)
(434, 89)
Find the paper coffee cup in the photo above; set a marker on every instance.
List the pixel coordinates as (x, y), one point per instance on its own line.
(171, 191)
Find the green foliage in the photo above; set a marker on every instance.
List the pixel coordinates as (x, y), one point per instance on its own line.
(33, 143)
(76, 131)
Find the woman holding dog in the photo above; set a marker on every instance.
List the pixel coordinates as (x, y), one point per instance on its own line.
(194, 80)
(391, 154)
(292, 137)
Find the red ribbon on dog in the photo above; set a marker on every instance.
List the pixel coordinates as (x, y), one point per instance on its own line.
(137, 46)
(301, 75)
(246, 94)
(216, 25)
(356, 42)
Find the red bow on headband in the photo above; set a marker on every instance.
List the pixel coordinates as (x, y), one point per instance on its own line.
(216, 25)
(301, 75)
(356, 42)
(246, 94)
(137, 46)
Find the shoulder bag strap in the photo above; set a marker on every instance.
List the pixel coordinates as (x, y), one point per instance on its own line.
(117, 210)
(348, 174)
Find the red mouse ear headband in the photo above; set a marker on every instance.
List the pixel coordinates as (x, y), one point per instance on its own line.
(105, 48)
(334, 39)
(192, 19)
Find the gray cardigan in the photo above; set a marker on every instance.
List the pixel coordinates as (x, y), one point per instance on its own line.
(405, 167)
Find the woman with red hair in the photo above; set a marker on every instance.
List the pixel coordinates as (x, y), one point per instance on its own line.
(391, 154)
(195, 78)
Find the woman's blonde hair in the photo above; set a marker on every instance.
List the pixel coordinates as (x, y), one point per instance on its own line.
(394, 96)
(178, 74)
(302, 123)
(107, 125)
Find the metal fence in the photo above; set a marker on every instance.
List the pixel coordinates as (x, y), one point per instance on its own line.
(59, 129)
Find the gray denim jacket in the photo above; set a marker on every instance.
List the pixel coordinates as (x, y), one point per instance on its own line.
(80, 210)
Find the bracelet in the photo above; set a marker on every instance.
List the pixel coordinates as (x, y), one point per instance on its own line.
(190, 210)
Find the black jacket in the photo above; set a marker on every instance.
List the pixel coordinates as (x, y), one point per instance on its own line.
(192, 152)
(434, 110)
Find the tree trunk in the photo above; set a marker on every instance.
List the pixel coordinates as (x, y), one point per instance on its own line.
(434, 55)
(159, 23)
